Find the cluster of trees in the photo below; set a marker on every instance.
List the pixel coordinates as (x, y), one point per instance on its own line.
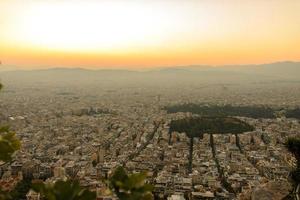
(21, 189)
(265, 138)
(8, 142)
(226, 110)
(197, 126)
(293, 113)
(229, 110)
(293, 145)
(8, 145)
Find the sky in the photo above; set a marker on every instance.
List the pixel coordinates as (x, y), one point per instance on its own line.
(147, 33)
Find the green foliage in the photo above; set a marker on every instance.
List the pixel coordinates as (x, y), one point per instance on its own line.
(126, 187)
(21, 189)
(196, 126)
(130, 187)
(226, 110)
(266, 138)
(293, 145)
(294, 113)
(94, 163)
(295, 176)
(63, 190)
(8, 144)
(4, 195)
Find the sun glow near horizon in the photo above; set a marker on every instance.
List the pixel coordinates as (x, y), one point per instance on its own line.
(99, 26)
(90, 27)
(148, 33)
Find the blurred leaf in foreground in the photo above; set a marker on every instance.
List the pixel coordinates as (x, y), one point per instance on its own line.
(130, 187)
(8, 144)
(64, 190)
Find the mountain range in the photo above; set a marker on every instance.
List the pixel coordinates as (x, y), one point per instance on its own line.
(279, 71)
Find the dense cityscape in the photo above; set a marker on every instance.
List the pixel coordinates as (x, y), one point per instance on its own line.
(149, 100)
(84, 131)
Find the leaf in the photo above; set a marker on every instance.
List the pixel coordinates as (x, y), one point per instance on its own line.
(130, 187)
(4, 195)
(4, 129)
(8, 145)
(148, 196)
(64, 190)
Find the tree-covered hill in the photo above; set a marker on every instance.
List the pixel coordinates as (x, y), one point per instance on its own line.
(196, 126)
(226, 110)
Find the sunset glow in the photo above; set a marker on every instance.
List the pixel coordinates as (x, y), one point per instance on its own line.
(147, 33)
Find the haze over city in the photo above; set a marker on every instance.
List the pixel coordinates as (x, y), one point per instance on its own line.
(149, 100)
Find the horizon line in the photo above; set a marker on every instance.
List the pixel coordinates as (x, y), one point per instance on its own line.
(134, 68)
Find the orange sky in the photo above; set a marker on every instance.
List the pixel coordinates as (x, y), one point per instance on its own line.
(147, 33)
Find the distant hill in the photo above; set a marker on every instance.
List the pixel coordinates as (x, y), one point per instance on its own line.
(286, 69)
(8, 68)
(281, 71)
